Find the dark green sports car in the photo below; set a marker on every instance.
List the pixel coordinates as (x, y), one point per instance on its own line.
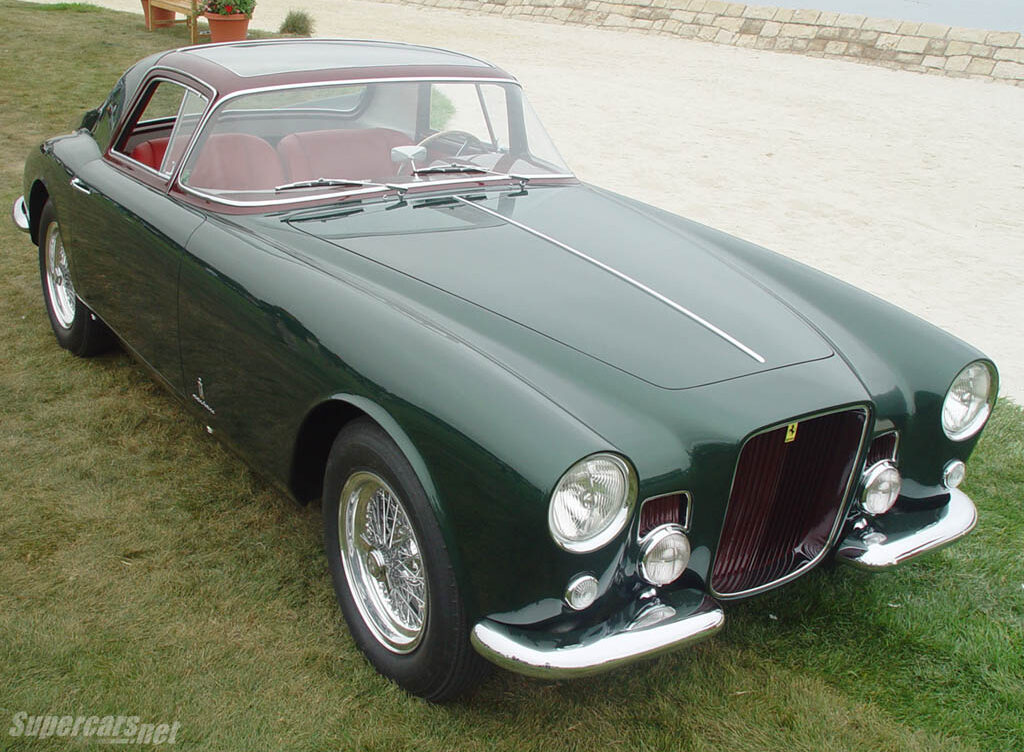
(549, 426)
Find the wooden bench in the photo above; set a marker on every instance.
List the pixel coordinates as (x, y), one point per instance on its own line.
(188, 8)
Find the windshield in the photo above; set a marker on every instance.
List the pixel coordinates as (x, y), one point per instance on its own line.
(295, 144)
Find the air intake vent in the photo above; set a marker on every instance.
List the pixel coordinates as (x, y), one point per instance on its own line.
(882, 447)
(664, 510)
(790, 486)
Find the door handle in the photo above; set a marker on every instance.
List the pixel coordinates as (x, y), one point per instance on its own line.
(78, 185)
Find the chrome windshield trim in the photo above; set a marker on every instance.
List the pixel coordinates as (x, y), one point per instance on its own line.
(211, 111)
(625, 278)
(407, 188)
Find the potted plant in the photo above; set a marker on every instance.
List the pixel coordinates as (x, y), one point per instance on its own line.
(228, 19)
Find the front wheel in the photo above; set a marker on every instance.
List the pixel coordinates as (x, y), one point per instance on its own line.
(392, 574)
(77, 329)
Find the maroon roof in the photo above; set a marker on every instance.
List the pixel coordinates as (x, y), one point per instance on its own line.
(276, 62)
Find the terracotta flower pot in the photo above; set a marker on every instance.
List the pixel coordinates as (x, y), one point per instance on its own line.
(156, 17)
(229, 28)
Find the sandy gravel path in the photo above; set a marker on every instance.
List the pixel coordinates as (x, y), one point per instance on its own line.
(909, 186)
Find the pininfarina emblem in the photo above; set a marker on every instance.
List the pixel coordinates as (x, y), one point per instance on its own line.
(200, 396)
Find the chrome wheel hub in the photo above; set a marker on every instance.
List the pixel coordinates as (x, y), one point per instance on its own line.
(382, 562)
(58, 278)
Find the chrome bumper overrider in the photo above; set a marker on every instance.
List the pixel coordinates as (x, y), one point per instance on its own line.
(880, 544)
(655, 629)
(19, 213)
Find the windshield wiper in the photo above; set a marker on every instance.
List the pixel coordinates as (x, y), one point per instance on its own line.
(452, 168)
(455, 168)
(321, 182)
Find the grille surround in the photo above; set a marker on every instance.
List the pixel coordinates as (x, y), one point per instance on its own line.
(838, 509)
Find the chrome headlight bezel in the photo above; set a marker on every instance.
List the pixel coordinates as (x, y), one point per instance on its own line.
(650, 544)
(977, 419)
(620, 511)
(873, 475)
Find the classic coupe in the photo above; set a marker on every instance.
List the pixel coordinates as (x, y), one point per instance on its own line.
(549, 426)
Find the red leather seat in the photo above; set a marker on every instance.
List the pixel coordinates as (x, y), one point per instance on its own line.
(363, 154)
(150, 152)
(236, 161)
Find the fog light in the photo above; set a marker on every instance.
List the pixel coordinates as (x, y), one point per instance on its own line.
(664, 554)
(882, 484)
(953, 474)
(581, 592)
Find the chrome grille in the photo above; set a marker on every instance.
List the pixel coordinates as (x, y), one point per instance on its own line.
(788, 492)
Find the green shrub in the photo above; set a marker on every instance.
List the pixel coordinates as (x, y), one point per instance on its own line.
(297, 22)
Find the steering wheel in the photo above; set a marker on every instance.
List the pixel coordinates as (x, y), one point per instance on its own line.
(467, 138)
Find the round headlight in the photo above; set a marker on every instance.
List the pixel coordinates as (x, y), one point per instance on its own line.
(968, 401)
(664, 554)
(591, 503)
(882, 484)
(581, 591)
(953, 474)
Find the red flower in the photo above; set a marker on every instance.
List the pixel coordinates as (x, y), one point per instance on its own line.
(229, 9)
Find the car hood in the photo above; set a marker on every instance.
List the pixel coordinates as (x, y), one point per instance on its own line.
(584, 268)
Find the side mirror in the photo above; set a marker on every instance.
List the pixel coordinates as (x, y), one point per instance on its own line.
(402, 154)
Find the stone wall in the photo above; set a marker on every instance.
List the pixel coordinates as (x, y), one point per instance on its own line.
(907, 45)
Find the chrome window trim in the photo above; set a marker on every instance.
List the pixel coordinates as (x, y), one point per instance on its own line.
(696, 318)
(318, 84)
(135, 103)
(257, 42)
(687, 513)
(841, 515)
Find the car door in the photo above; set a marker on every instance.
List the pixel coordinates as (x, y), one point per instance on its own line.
(130, 234)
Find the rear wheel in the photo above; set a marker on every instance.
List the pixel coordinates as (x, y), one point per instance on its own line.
(77, 329)
(391, 571)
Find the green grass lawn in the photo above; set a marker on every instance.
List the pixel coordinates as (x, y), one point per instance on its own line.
(145, 571)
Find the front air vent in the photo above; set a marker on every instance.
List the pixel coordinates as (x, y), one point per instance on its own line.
(883, 447)
(673, 508)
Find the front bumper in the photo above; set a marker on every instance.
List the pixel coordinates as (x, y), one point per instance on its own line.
(646, 630)
(659, 625)
(897, 536)
(19, 214)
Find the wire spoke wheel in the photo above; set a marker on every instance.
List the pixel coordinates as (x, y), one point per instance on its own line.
(383, 562)
(58, 278)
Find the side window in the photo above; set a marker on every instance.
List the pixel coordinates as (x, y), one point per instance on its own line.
(192, 108)
(159, 132)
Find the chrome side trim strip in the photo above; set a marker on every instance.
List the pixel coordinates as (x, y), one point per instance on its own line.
(872, 549)
(655, 630)
(625, 278)
(19, 214)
